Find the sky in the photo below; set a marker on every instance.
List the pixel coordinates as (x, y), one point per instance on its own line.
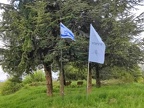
(4, 1)
(3, 76)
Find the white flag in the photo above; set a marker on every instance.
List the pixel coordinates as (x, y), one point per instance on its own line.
(65, 32)
(96, 47)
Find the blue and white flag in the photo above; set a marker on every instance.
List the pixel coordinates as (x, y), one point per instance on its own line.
(96, 47)
(65, 32)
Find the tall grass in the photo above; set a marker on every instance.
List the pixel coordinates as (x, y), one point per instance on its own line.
(112, 96)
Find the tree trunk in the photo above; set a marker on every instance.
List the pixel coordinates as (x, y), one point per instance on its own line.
(98, 83)
(89, 86)
(64, 76)
(48, 76)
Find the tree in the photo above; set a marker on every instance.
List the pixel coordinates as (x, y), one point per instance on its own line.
(30, 39)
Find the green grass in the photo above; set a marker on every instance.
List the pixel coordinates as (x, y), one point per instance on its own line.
(1, 84)
(109, 96)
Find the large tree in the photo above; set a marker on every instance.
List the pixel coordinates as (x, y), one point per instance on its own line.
(31, 36)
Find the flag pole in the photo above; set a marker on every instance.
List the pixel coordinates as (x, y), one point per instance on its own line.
(88, 80)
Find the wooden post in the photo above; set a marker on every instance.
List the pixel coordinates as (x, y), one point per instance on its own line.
(89, 79)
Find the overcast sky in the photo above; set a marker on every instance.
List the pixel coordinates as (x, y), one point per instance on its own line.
(3, 75)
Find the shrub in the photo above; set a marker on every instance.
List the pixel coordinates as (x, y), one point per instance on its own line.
(73, 73)
(37, 76)
(121, 73)
(10, 87)
(127, 77)
(139, 79)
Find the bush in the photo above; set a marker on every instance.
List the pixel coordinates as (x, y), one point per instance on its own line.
(127, 77)
(73, 73)
(139, 79)
(10, 87)
(122, 73)
(37, 76)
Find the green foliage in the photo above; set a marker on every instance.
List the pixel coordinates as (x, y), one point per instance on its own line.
(10, 87)
(127, 75)
(112, 96)
(74, 73)
(122, 73)
(37, 76)
(140, 79)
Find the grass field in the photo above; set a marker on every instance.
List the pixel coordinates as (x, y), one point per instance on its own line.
(108, 96)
